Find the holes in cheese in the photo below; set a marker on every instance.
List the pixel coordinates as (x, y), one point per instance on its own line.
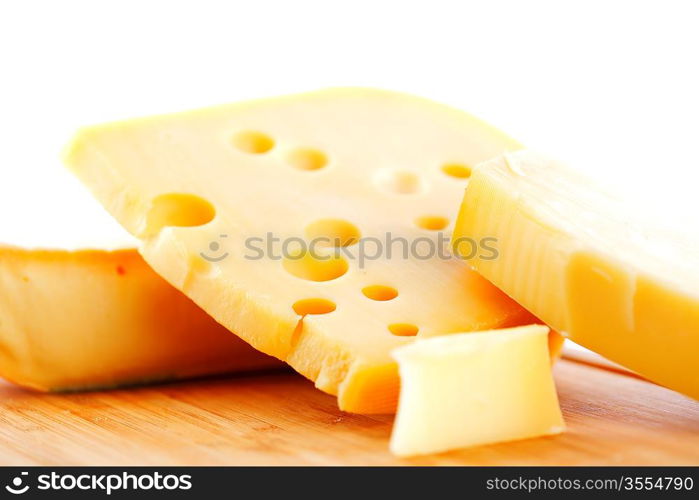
(178, 210)
(307, 159)
(333, 232)
(457, 170)
(432, 222)
(253, 142)
(314, 306)
(381, 293)
(383, 148)
(403, 329)
(399, 181)
(471, 389)
(314, 266)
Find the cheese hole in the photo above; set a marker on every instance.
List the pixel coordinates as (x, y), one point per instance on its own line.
(307, 159)
(313, 306)
(399, 181)
(403, 329)
(253, 142)
(457, 170)
(198, 265)
(332, 232)
(309, 265)
(380, 292)
(179, 210)
(432, 222)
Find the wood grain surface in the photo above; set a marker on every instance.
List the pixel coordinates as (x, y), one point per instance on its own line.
(280, 418)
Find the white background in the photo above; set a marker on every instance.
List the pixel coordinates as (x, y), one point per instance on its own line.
(610, 86)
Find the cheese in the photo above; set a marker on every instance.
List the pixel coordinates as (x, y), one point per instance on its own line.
(588, 266)
(326, 175)
(473, 389)
(89, 319)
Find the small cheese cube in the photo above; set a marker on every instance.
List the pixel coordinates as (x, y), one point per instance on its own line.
(475, 388)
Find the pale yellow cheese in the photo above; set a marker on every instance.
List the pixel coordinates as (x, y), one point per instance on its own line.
(475, 388)
(347, 165)
(589, 265)
(72, 320)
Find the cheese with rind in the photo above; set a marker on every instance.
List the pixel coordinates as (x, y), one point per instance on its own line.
(589, 264)
(88, 319)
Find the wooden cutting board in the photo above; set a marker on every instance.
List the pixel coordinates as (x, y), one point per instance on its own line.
(280, 418)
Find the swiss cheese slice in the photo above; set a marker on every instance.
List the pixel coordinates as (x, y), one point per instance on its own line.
(72, 320)
(587, 265)
(208, 191)
(473, 389)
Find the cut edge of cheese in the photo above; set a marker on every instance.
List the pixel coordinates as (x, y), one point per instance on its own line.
(94, 319)
(475, 389)
(146, 173)
(584, 262)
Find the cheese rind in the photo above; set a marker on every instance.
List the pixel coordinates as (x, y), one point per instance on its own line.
(369, 160)
(76, 320)
(475, 388)
(577, 258)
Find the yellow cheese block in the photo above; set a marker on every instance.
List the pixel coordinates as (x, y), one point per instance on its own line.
(475, 388)
(72, 320)
(573, 255)
(330, 176)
